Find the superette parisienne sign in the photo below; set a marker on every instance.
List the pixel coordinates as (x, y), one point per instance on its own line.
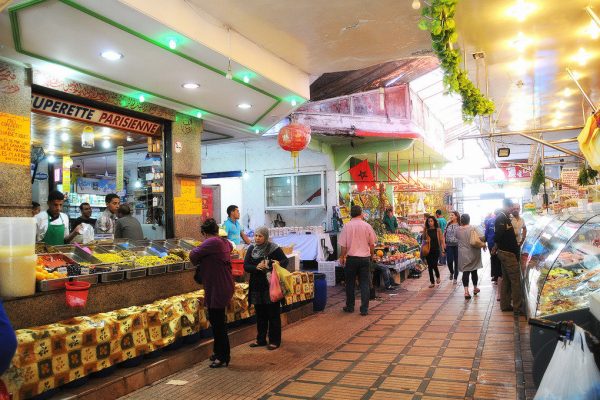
(61, 108)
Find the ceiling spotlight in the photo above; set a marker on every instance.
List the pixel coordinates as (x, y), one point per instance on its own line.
(129, 138)
(593, 30)
(229, 75)
(246, 79)
(294, 103)
(137, 184)
(244, 106)
(64, 137)
(199, 114)
(521, 10)
(190, 85)
(141, 98)
(416, 4)
(257, 131)
(562, 104)
(172, 44)
(111, 55)
(106, 143)
(567, 92)
(582, 56)
(51, 158)
(521, 42)
(555, 123)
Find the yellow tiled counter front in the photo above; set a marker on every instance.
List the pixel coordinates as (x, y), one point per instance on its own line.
(52, 355)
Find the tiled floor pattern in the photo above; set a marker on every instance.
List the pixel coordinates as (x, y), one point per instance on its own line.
(418, 343)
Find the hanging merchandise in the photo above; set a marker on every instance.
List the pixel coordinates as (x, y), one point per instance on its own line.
(537, 180)
(87, 137)
(294, 138)
(361, 172)
(589, 141)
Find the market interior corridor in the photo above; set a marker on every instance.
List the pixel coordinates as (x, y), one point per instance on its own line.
(418, 343)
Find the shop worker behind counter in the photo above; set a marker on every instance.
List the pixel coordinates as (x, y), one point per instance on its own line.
(108, 218)
(52, 226)
(232, 226)
(127, 226)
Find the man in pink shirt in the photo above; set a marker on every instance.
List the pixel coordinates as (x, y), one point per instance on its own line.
(357, 241)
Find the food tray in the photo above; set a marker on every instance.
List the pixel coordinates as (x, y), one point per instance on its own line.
(78, 255)
(48, 285)
(135, 273)
(91, 278)
(59, 257)
(112, 276)
(158, 270)
(188, 265)
(179, 243)
(176, 267)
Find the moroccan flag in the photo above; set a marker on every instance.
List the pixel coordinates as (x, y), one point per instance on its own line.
(362, 173)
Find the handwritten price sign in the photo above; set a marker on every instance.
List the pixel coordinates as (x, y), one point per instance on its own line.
(15, 139)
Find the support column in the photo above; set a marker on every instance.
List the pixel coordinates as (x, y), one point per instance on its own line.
(186, 168)
(15, 179)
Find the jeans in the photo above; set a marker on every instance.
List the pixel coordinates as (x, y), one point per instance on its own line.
(268, 320)
(511, 281)
(452, 257)
(360, 266)
(216, 317)
(385, 272)
(465, 278)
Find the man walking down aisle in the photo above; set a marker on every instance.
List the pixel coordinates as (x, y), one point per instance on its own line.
(357, 241)
(508, 253)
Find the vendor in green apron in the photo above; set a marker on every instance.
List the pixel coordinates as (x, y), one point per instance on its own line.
(52, 226)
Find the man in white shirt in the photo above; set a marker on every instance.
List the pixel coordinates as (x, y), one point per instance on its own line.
(519, 225)
(52, 226)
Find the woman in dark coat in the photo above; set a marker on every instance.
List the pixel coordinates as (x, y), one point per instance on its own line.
(213, 262)
(259, 263)
(437, 246)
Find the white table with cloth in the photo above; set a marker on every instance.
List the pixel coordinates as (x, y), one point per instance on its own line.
(314, 246)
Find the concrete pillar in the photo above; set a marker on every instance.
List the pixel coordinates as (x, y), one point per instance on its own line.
(186, 138)
(15, 180)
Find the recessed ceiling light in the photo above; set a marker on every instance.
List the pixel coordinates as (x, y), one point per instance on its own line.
(129, 138)
(257, 131)
(106, 143)
(141, 98)
(64, 137)
(294, 103)
(190, 85)
(111, 55)
(172, 44)
(244, 106)
(246, 79)
(521, 10)
(199, 115)
(562, 104)
(51, 158)
(567, 92)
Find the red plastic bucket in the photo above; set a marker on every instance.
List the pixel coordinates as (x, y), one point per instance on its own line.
(237, 267)
(77, 293)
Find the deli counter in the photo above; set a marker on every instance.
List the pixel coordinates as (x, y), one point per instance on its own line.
(560, 269)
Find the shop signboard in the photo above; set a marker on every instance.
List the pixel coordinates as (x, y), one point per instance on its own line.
(96, 186)
(207, 202)
(15, 139)
(64, 109)
(515, 172)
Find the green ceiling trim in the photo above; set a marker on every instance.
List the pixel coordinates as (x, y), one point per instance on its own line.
(15, 26)
(342, 153)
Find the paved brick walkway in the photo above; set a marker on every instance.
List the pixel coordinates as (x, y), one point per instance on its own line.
(419, 343)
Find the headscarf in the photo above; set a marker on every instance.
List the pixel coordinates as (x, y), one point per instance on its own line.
(263, 250)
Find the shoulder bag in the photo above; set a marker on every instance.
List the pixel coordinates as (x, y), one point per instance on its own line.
(426, 245)
(474, 239)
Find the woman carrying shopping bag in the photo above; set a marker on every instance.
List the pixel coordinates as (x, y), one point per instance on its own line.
(259, 264)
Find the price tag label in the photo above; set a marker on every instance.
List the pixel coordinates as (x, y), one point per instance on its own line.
(62, 270)
(85, 271)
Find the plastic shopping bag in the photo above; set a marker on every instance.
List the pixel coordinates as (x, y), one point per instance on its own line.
(275, 292)
(284, 279)
(572, 373)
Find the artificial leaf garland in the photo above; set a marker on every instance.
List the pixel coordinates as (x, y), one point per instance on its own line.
(438, 19)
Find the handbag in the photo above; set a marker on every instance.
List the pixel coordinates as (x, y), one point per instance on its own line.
(474, 239)
(275, 292)
(426, 246)
(279, 222)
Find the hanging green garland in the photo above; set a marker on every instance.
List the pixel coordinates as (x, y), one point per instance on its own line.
(537, 179)
(587, 176)
(438, 19)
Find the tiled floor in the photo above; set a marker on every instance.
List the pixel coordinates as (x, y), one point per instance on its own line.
(417, 343)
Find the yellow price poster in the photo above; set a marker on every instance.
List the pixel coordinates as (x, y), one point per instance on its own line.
(188, 203)
(120, 168)
(66, 182)
(15, 139)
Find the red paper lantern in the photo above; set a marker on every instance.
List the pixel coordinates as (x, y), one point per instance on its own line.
(294, 138)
